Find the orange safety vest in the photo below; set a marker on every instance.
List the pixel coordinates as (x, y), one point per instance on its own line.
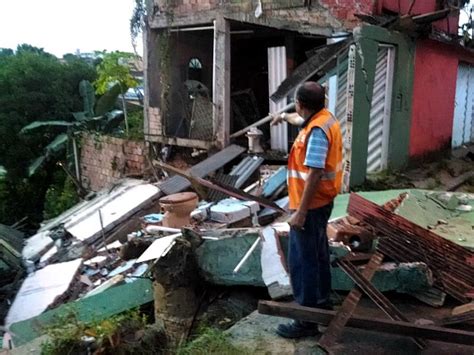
(331, 180)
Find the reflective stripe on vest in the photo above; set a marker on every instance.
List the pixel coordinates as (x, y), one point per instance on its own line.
(327, 175)
(331, 175)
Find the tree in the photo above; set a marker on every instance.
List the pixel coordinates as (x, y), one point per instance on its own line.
(466, 24)
(34, 85)
(86, 120)
(137, 21)
(114, 69)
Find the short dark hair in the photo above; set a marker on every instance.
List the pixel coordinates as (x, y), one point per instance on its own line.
(311, 96)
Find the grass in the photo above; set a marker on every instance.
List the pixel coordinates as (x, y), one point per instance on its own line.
(211, 341)
(66, 334)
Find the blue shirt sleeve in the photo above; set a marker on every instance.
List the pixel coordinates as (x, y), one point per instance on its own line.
(317, 149)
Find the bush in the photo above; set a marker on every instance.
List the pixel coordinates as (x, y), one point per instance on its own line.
(60, 197)
(135, 125)
(67, 334)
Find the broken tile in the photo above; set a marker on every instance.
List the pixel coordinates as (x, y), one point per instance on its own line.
(274, 273)
(159, 248)
(122, 268)
(231, 210)
(40, 289)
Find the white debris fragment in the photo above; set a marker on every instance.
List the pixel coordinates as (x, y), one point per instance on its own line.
(159, 248)
(40, 289)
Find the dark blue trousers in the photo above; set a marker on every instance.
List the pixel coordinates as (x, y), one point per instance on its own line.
(308, 259)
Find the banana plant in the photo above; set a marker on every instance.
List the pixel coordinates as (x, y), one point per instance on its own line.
(96, 117)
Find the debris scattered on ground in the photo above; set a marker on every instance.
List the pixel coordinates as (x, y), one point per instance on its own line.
(137, 232)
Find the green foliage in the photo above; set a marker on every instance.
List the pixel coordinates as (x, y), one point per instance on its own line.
(23, 198)
(60, 196)
(83, 121)
(86, 90)
(114, 69)
(107, 101)
(34, 86)
(67, 331)
(211, 341)
(137, 21)
(6, 52)
(135, 122)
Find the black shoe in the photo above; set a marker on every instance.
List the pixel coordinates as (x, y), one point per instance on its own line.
(297, 329)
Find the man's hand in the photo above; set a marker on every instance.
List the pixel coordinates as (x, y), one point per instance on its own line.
(277, 118)
(297, 220)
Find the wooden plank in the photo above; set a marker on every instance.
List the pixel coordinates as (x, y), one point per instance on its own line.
(319, 61)
(181, 142)
(349, 305)
(178, 183)
(376, 296)
(458, 318)
(221, 81)
(324, 317)
(228, 190)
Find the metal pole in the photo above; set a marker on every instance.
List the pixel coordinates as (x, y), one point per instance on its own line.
(247, 255)
(264, 120)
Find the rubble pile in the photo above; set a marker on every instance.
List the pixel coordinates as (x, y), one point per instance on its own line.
(183, 237)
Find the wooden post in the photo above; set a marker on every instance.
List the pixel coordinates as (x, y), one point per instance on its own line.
(151, 62)
(221, 81)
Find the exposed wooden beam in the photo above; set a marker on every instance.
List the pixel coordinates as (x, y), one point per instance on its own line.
(323, 317)
(221, 81)
(182, 142)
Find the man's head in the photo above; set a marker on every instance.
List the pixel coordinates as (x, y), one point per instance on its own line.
(310, 98)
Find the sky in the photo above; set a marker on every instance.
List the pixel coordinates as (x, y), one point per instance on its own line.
(64, 26)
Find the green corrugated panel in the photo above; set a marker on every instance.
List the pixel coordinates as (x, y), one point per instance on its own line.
(113, 301)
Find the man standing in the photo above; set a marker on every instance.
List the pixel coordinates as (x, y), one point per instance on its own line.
(314, 180)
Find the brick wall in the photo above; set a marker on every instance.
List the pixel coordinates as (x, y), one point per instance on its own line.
(341, 10)
(344, 10)
(104, 160)
(154, 127)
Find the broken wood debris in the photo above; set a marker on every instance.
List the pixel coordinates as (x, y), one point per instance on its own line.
(324, 317)
(229, 190)
(376, 296)
(179, 183)
(349, 305)
(457, 319)
(405, 241)
(323, 59)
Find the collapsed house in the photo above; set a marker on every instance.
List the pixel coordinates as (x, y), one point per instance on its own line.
(398, 82)
(212, 70)
(113, 246)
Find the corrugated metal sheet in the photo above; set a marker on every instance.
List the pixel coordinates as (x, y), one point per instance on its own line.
(463, 123)
(341, 103)
(276, 74)
(230, 180)
(379, 126)
(245, 169)
(338, 104)
(178, 183)
(348, 117)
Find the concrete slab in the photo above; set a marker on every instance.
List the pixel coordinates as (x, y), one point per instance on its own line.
(94, 308)
(40, 289)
